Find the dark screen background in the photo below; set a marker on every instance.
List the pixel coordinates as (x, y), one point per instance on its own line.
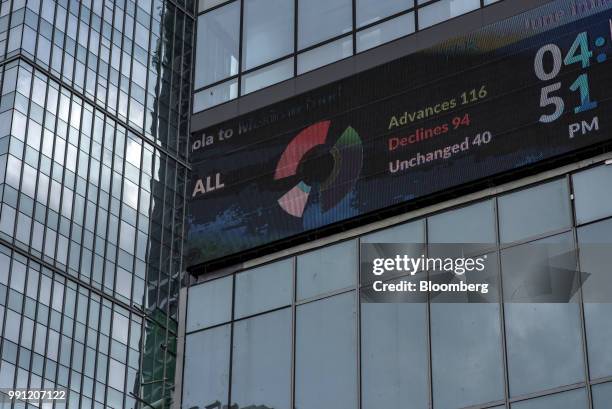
(245, 214)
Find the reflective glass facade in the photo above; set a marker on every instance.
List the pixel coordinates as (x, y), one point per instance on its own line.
(247, 45)
(298, 332)
(94, 119)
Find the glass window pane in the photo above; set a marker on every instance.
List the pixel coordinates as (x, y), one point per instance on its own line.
(326, 354)
(216, 95)
(534, 211)
(320, 20)
(394, 355)
(268, 31)
(466, 344)
(470, 224)
(595, 241)
(206, 378)
(445, 10)
(533, 330)
(413, 232)
(208, 4)
(264, 288)
(593, 194)
(327, 269)
(385, 32)
(411, 235)
(217, 45)
(326, 54)
(602, 395)
(267, 76)
(209, 304)
(261, 369)
(369, 11)
(573, 399)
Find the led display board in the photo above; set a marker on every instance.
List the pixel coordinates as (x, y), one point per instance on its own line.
(527, 89)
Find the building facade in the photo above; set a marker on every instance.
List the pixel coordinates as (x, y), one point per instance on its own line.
(94, 107)
(278, 314)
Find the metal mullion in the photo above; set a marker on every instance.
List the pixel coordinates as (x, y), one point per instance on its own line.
(502, 310)
(40, 154)
(293, 327)
(82, 373)
(231, 345)
(296, 23)
(354, 27)
(98, 58)
(385, 19)
(125, 39)
(110, 63)
(535, 238)
(428, 320)
(219, 82)
(267, 64)
(241, 43)
(324, 296)
(108, 356)
(583, 331)
(322, 43)
(218, 6)
(21, 316)
(98, 332)
(358, 318)
(547, 392)
(599, 381)
(259, 314)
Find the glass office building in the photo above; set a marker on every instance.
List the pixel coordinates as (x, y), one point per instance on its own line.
(301, 328)
(94, 118)
(295, 326)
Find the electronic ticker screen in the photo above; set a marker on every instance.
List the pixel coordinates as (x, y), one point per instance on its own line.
(527, 89)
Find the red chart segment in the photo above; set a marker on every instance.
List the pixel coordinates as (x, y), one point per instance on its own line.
(298, 147)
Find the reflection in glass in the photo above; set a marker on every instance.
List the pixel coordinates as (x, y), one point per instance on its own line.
(534, 211)
(545, 334)
(320, 20)
(602, 395)
(269, 75)
(369, 11)
(576, 399)
(444, 10)
(385, 32)
(471, 224)
(217, 45)
(467, 365)
(407, 238)
(263, 288)
(326, 352)
(268, 31)
(394, 355)
(209, 304)
(325, 54)
(595, 241)
(215, 95)
(261, 368)
(593, 193)
(326, 269)
(206, 377)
